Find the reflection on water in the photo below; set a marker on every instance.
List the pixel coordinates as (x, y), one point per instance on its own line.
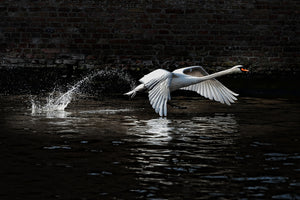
(51, 114)
(105, 111)
(153, 131)
(162, 130)
(115, 150)
(170, 150)
(218, 123)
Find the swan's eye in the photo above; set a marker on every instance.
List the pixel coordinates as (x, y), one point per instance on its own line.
(244, 70)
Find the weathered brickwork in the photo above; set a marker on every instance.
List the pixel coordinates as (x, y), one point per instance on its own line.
(258, 33)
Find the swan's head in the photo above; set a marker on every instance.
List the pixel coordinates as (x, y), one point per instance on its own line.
(239, 69)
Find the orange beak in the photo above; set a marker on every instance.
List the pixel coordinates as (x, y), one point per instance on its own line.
(244, 70)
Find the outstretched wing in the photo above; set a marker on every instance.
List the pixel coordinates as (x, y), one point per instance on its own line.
(158, 82)
(212, 89)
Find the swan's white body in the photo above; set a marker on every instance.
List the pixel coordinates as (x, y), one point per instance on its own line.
(160, 83)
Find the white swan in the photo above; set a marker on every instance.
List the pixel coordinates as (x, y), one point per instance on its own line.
(160, 83)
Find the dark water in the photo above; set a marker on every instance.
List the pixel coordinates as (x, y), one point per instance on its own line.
(120, 149)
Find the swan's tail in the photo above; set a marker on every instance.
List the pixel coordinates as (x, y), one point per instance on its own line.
(131, 93)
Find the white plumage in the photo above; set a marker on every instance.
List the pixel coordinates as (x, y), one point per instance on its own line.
(160, 83)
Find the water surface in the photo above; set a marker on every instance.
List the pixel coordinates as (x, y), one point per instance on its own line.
(120, 149)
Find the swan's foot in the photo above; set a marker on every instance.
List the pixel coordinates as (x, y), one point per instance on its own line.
(175, 106)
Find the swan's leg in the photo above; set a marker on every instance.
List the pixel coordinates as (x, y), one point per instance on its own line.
(133, 92)
(175, 106)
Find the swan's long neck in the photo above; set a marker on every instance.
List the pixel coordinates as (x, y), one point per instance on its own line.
(211, 76)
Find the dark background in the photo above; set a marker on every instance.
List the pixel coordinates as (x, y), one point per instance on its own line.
(54, 38)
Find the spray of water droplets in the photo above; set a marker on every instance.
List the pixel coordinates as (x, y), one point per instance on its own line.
(58, 101)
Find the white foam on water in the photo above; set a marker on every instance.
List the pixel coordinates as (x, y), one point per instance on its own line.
(58, 101)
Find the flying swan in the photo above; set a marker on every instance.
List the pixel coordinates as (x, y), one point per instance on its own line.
(160, 83)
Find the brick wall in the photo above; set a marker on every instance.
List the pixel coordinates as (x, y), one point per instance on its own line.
(263, 34)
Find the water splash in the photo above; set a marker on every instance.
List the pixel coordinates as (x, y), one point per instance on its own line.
(58, 101)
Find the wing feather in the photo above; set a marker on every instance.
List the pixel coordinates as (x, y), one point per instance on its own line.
(201, 90)
(215, 93)
(210, 95)
(225, 95)
(220, 94)
(205, 90)
(211, 89)
(158, 82)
